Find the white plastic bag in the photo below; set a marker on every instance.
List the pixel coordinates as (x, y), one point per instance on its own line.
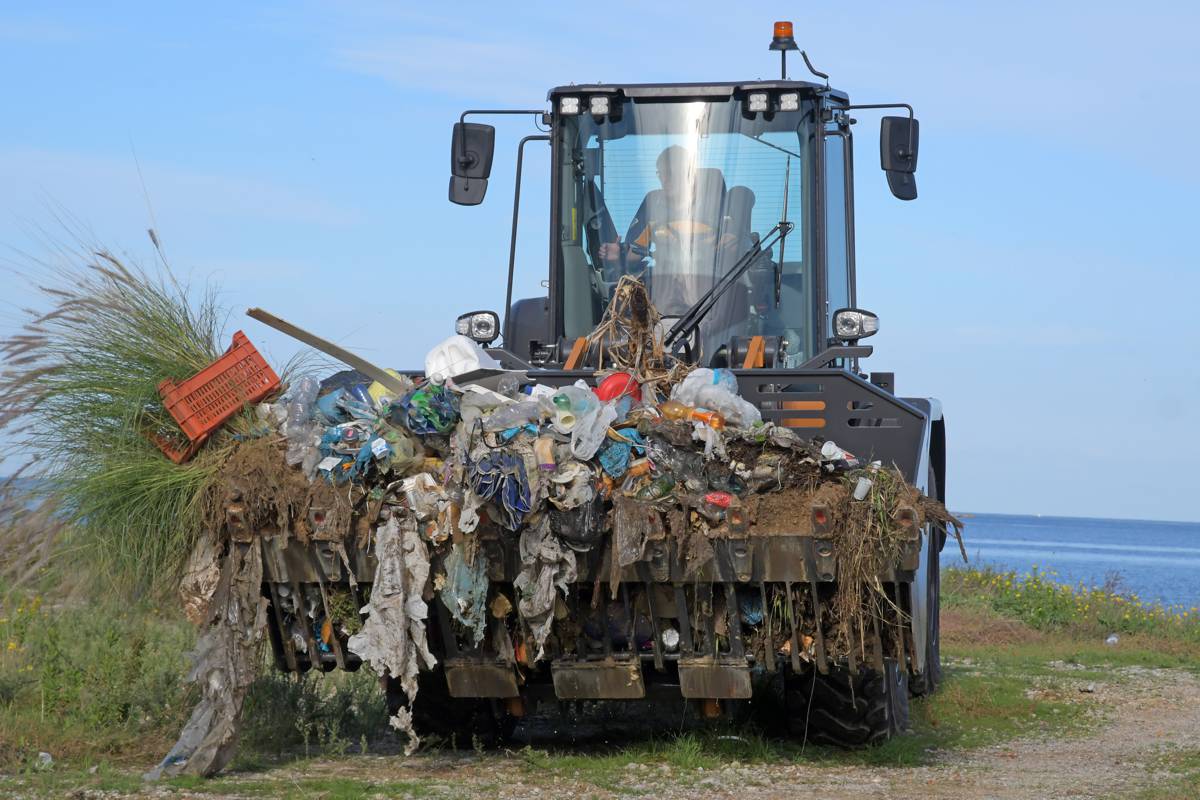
(456, 355)
(716, 390)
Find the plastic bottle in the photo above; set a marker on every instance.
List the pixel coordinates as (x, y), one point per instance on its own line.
(511, 415)
(673, 409)
(659, 487)
(717, 390)
(543, 448)
(508, 385)
(569, 404)
(300, 427)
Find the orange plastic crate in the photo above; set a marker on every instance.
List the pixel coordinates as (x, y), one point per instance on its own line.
(203, 402)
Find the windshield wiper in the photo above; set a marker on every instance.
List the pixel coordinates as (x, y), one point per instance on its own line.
(691, 318)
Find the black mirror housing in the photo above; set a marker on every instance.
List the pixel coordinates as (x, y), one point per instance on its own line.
(898, 140)
(471, 149)
(898, 144)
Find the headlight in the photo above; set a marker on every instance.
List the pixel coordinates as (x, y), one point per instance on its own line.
(789, 102)
(598, 105)
(756, 101)
(568, 105)
(482, 326)
(852, 324)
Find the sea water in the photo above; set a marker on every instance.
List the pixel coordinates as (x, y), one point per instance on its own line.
(1157, 561)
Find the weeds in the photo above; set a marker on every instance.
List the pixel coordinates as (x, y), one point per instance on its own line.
(1080, 612)
(100, 680)
(81, 382)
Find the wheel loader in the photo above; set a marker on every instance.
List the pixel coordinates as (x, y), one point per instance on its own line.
(733, 204)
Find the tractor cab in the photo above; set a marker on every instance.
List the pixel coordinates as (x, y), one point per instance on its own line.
(731, 202)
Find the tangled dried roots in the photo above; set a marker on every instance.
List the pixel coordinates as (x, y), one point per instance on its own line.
(869, 541)
(628, 337)
(271, 497)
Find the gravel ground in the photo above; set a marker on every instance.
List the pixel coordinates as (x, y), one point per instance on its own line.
(1142, 714)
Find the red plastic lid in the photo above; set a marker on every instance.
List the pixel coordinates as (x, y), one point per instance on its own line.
(719, 499)
(617, 385)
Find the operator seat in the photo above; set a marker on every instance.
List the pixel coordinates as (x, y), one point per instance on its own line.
(685, 232)
(728, 316)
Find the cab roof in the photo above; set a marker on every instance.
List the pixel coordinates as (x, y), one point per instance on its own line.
(693, 90)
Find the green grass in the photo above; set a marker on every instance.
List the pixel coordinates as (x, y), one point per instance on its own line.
(105, 681)
(1077, 619)
(101, 687)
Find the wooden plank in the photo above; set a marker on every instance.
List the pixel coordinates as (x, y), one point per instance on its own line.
(329, 349)
(577, 352)
(755, 353)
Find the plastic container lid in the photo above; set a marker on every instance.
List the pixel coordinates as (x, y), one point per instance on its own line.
(617, 385)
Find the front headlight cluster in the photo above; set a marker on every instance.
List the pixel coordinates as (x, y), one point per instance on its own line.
(852, 324)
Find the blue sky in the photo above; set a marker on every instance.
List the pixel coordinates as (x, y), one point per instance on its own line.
(295, 155)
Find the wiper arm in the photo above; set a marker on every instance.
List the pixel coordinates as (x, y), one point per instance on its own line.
(691, 318)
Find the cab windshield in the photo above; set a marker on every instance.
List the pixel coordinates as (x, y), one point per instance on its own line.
(675, 193)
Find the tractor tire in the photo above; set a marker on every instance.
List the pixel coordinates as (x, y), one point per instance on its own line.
(458, 722)
(848, 711)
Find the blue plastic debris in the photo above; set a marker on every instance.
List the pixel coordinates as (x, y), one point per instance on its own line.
(428, 409)
(500, 477)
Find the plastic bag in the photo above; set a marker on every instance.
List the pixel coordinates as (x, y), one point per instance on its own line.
(456, 355)
(590, 430)
(717, 390)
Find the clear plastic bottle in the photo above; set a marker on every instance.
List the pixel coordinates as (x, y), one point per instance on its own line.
(571, 403)
(512, 415)
(299, 427)
(673, 409)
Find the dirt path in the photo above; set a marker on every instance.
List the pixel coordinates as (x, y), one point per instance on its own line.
(1143, 713)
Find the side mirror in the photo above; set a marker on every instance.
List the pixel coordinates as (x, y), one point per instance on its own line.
(471, 150)
(898, 140)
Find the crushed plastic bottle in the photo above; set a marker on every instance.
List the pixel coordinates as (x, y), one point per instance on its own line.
(509, 386)
(512, 415)
(301, 430)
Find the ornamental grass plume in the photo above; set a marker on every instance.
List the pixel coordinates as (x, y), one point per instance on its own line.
(78, 394)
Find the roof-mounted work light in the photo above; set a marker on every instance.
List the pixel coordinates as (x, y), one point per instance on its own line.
(568, 105)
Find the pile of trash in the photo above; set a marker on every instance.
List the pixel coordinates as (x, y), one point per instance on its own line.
(417, 468)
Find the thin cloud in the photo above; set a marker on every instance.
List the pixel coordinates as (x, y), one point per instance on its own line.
(72, 177)
(492, 69)
(37, 31)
